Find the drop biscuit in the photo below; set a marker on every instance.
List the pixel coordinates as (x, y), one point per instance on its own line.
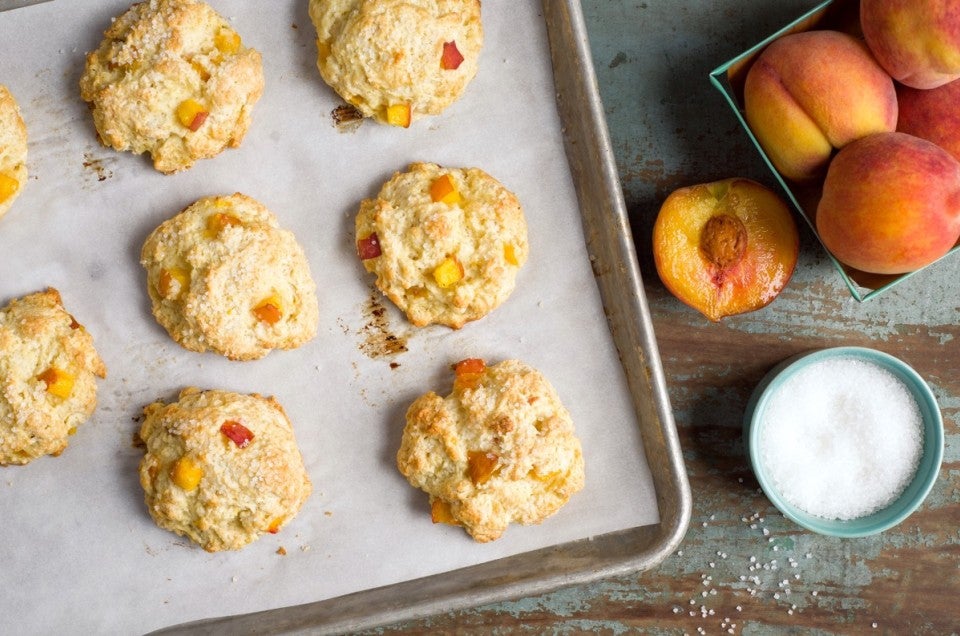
(500, 448)
(48, 371)
(13, 150)
(398, 60)
(446, 244)
(221, 468)
(172, 78)
(223, 276)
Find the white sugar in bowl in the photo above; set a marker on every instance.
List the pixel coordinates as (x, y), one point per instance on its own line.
(846, 441)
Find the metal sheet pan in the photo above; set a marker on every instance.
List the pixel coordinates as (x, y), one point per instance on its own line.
(611, 248)
(611, 251)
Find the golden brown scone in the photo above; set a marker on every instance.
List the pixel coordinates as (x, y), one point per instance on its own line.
(445, 244)
(224, 276)
(221, 468)
(500, 448)
(48, 370)
(172, 78)
(13, 150)
(398, 60)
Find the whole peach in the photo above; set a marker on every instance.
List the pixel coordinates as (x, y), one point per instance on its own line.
(916, 41)
(891, 204)
(932, 115)
(811, 92)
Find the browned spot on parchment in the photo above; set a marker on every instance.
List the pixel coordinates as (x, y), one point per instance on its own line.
(379, 341)
(346, 118)
(96, 166)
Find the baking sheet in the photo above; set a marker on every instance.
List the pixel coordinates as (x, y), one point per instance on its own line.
(77, 528)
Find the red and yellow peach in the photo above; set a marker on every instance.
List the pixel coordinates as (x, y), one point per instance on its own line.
(890, 204)
(810, 93)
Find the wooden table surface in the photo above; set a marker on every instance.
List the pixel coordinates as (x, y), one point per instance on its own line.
(743, 568)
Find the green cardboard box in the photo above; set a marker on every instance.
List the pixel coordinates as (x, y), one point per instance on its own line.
(728, 78)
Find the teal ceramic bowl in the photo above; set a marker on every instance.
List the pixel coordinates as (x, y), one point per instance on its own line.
(927, 469)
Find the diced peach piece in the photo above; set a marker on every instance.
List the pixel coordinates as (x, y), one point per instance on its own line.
(443, 190)
(237, 433)
(323, 50)
(399, 115)
(451, 58)
(481, 466)
(58, 381)
(468, 373)
(369, 247)
(448, 273)
(510, 254)
(274, 526)
(269, 311)
(227, 41)
(186, 473)
(217, 222)
(440, 513)
(191, 114)
(172, 282)
(8, 187)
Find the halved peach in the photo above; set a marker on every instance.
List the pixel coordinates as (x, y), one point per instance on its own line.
(726, 247)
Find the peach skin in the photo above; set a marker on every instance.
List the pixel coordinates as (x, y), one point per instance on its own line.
(916, 41)
(726, 247)
(932, 115)
(891, 204)
(808, 93)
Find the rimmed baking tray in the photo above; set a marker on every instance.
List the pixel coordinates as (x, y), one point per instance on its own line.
(611, 253)
(610, 245)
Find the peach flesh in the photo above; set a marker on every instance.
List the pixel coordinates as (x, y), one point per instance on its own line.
(726, 247)
(811, 92)
(890, 204)
(916, 41)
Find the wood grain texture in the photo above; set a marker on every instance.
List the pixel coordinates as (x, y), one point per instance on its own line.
(743, 568)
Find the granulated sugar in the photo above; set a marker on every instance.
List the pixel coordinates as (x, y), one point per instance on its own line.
(841, 438)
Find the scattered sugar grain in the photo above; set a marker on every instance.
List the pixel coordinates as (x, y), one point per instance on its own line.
(841, 438)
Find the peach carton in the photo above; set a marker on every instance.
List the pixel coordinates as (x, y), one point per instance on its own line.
(804, 195)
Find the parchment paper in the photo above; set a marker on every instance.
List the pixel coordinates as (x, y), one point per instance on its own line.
(79, 553)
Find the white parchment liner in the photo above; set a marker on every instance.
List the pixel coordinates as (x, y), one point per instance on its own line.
(79, 553)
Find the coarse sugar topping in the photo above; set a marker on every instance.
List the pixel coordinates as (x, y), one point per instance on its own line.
(841, 438)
